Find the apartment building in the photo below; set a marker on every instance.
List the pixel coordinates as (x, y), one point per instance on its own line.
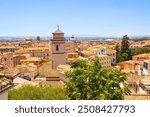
(9, 48)
(70, 46)
(146, 67)
(100, 50)
(18, 58)
(41, 52)
(71, 57)
(112, 54)
(105, 60)
(140, 64)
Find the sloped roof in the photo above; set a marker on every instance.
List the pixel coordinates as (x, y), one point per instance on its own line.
(58, 31)
(137, 97)
(4, 83)
(51, 73)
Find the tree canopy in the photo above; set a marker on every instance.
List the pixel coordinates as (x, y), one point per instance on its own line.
(125, 44)
(90, 81)
(124, 53)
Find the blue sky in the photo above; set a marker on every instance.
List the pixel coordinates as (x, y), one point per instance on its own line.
(78, 17)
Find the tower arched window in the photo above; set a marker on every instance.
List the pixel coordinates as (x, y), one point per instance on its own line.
(57, 47)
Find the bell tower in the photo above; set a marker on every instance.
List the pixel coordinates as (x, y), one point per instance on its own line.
(58, 55)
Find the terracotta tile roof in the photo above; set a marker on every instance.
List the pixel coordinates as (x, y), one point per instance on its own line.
(51, 73)
(5, 83)
(137, 97)
(142, 55)
(58, 31)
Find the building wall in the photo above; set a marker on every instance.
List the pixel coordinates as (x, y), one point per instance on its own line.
(43, 53)
(8, 60)
(58, 56)
(58, 53)
(72, 55)
(112, 54)
(58, 59)
(70, 46)
(6, 49)
(100, 50)
(146, 68)
(60, 50)
(105, 61)
(17, 59)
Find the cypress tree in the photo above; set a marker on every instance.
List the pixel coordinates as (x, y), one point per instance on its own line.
(125, 47)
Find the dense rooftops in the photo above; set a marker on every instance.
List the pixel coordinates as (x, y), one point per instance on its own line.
(5, 83)
(143, 55)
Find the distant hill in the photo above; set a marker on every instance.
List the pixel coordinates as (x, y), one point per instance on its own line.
(47, 38)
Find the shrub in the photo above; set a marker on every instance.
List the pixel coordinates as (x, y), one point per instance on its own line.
(29, 92)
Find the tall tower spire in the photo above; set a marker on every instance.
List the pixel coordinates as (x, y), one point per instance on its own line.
(57, 26)
(58, 55)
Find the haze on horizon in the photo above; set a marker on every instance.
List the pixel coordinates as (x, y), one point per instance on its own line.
(79, 17)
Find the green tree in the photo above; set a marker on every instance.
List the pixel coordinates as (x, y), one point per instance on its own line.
(90, 81)
(125, 44)
(124, 53)
(125, 47)
(122, 57)
(117, 48)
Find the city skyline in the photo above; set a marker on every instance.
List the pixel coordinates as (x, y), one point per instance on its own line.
(78, 17)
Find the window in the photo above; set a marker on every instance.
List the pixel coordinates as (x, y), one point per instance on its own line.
(113, 60)
(145, 65)
(57, 48)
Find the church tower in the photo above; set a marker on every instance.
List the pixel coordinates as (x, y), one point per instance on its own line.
(58, 55)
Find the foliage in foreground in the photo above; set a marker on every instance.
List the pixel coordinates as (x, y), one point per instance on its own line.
(90, 81)
(29, 92)
(87, 81)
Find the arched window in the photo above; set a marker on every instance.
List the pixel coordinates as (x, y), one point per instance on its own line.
(57, 48)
